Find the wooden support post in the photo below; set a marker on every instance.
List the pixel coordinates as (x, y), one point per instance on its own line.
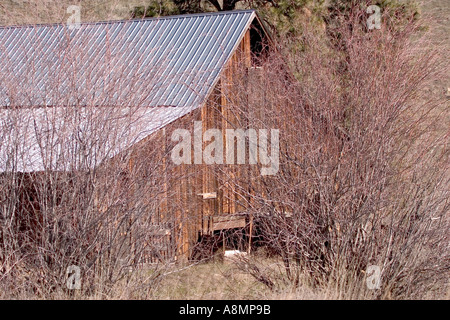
(247, 51)
(250, 234)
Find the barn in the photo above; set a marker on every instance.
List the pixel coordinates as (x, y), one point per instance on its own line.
(128, 94)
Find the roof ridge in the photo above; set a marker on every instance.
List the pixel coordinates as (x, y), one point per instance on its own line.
(187, 15)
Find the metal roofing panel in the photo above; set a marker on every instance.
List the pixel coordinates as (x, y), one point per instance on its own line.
(56, 139)
(115, 75)
(169, 61)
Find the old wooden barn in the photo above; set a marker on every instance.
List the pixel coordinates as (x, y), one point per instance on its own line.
(153, 80)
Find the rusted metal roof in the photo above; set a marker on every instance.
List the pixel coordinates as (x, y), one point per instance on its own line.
(124, 65)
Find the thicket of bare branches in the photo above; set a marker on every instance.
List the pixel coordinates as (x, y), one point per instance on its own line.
(364, 171)
(77, 187)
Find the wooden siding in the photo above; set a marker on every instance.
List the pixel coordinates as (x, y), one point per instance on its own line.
(204, 198)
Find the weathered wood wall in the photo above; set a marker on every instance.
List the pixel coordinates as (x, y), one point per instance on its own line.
(201, 198)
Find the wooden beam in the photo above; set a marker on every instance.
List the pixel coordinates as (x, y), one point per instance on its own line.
(208, 195)
(228, 222)
(247, 51)
(250, 234)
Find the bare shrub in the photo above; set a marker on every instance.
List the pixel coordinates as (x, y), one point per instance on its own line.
(364, 173)
(78, 184)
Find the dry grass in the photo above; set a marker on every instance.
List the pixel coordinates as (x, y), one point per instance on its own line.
(212, 280)
(16, 12)
(224, 280)
(438, 12)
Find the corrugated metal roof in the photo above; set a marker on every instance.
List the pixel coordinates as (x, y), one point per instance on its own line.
(170, 61)
(74, 138)
(162, 61)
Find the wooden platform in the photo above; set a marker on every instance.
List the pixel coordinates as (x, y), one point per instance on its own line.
(228, 222)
